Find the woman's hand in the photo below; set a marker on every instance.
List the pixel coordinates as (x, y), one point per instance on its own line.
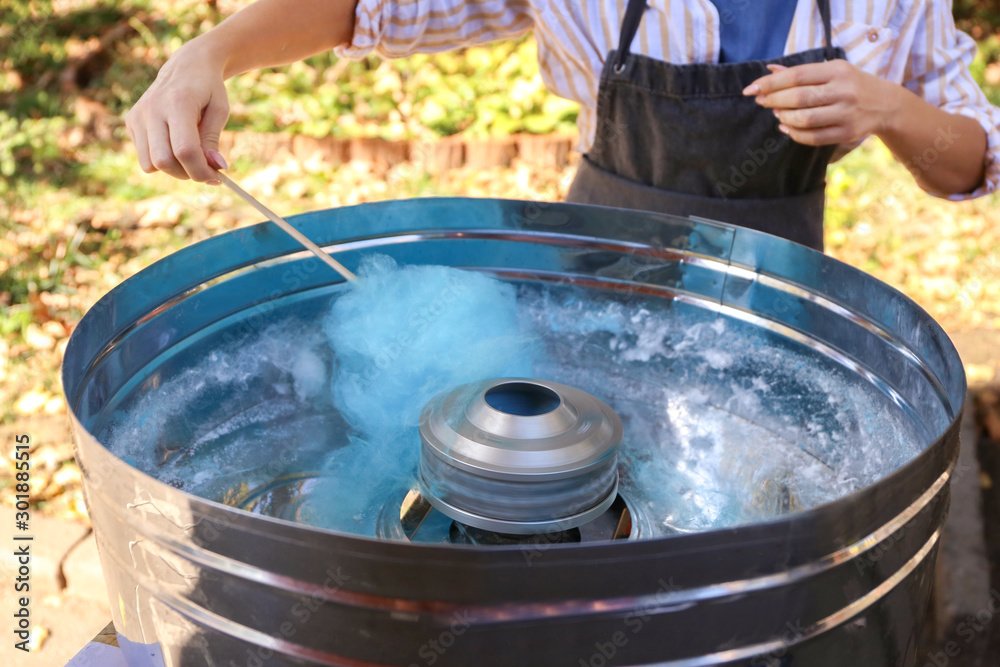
(176, 124)
(834, 102)
(831, 102)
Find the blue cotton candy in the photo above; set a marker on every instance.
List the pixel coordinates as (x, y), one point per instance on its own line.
(402, 335)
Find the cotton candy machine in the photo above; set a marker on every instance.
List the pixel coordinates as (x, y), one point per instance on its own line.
(688, 444)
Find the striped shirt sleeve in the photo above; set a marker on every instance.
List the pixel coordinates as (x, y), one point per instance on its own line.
(397, 28)
(939, 72)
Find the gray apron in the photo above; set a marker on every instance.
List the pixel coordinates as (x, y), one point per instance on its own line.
(683, 139)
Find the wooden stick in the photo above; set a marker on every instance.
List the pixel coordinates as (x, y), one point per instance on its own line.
(287, 228)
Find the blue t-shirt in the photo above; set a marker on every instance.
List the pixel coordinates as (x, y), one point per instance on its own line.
(754, 29)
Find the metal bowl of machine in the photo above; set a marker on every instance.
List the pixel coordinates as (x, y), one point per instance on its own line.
(734, 451)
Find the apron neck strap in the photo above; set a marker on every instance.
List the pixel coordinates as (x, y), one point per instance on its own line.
(636, 8)
(824, 12)
(630, 26)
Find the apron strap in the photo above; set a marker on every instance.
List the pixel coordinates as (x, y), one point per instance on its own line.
(630, 26)
(636, 8)
(824, 12)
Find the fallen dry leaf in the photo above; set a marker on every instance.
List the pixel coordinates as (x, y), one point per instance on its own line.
(38, 339)
(979, 374)
(36, 638)
(992, 74)
(54, 406)
(31, 402)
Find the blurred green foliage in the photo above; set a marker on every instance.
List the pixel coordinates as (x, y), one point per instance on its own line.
(987, 61)
(444, 93)
(482, 91)
(51, 60)
(106, 53)
(977, 17)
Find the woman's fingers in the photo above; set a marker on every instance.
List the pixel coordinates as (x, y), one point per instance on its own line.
(213, 120)
(801, 97)
(141, 147)
(185, 142)
(817, 127)
(818, 137)
(177, 122)
(790, 77)
(811, 119)
(171, 141)
(161, 152)
(215, 159)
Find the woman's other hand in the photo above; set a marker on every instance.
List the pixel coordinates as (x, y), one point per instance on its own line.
(834, 102)
(831, 102)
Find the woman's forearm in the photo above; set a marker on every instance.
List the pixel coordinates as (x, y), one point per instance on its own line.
(176, 124)
(271, 33)
(944, 151)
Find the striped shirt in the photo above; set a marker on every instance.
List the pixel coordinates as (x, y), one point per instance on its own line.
(910, 42)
